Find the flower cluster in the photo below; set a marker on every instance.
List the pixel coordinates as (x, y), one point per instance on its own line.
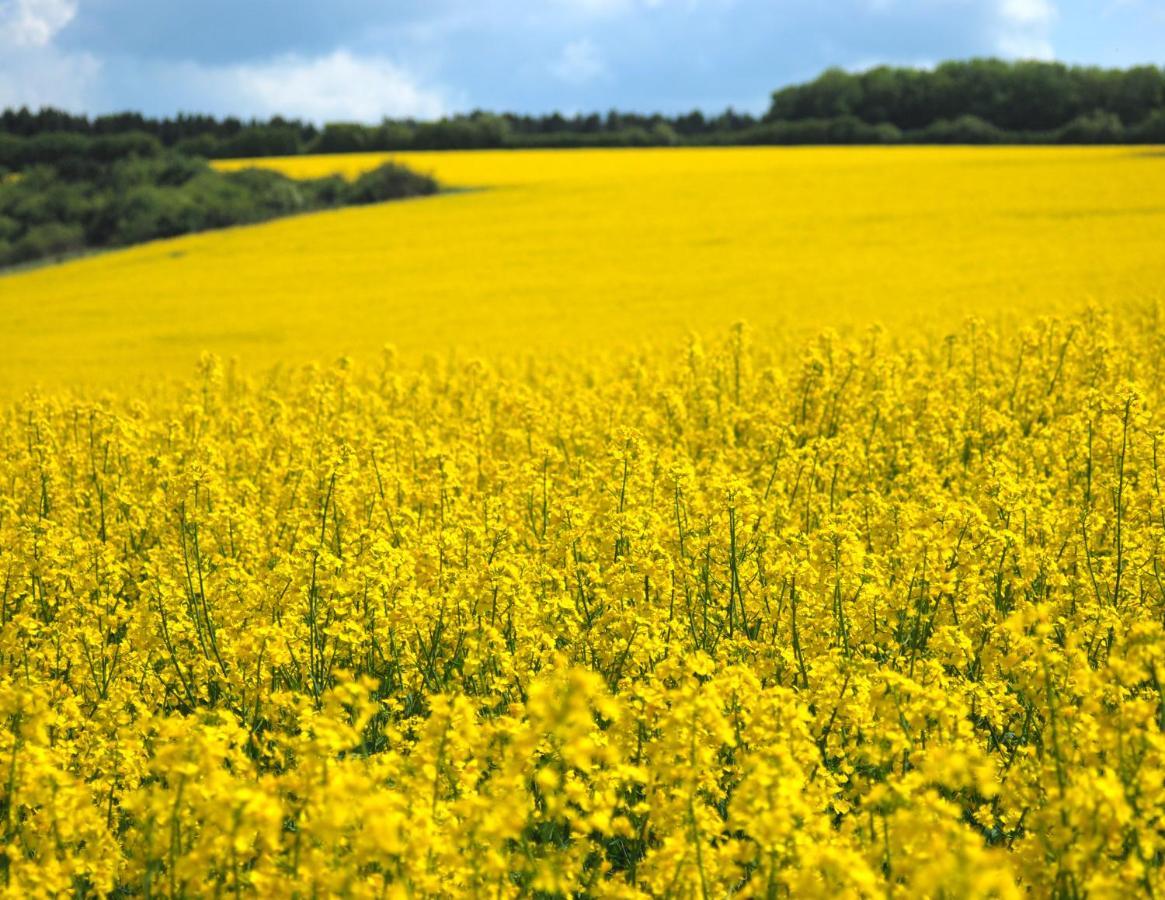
(855, 618)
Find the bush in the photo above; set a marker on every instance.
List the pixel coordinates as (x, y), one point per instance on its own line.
(111, 147)
(270, 193)
(271, 141)
(37, 200)
(224, 202)
(175, 171)
(327, 191)
(664, 135)
(11, 152)
(389, 182)
(148, 212)
(204, 145)
(1097, 127)
(54, 146)
(47, 240)
(1149, 131)
(839, 130)
(966, 129)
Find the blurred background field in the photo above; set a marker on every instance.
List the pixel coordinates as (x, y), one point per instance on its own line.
(549, 250)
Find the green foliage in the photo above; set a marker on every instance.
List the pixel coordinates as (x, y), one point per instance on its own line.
(50, 211)
(206, 146)
(975, 101)
(966, 129)
(263, 141)
(343, 137)
(388, 181)
(47, 240)
(1150, 131)
(112, 147)
(332, 190)
(839, 130)
(1022, 97)
(473, 133)
(1097, 127)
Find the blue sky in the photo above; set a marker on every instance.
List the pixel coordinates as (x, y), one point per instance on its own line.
(363, 59)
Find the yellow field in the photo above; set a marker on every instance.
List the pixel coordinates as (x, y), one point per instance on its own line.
(608, 610)
(578, 249)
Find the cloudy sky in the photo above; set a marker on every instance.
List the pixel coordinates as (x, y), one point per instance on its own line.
(364, 59)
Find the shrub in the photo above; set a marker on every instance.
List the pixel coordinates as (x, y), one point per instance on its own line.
(327, 191)
(204, 145)
(1097, 127)
(111, 147)
(966, 129)
(47, 240)
(389, 182)
(149, 212)
(11, 152)
(270, 141)
(839, 130)
(1149, 131)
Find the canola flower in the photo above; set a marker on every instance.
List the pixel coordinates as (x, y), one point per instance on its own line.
(852, 617)
(564, 250)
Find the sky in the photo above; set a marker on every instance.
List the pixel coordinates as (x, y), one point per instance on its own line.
(362, 60)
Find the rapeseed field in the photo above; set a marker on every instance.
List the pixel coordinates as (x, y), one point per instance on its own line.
(568, 250)
(792, 526)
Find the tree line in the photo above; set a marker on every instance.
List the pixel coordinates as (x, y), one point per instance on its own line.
(70, 182)
(976, 102)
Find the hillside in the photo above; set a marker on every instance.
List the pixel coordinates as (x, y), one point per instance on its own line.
(565, 252)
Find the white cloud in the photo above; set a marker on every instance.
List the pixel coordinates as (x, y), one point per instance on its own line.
(598, 8)
(45, 77)
(33, 23)
(32, 71)
(338, 86)
(579, 63)
(1024, 29)
(1027, 12)
(1018, 46)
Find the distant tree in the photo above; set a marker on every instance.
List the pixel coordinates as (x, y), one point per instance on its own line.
(1021, 97)
(392, 136)
(963, 100)
(962, 130)
(46, 240)
(1097, 127)
(124, 144)
(1151, 130)
(461, 133)
(1139, 92)
(205, 145)
(342, 137)
(269, 140)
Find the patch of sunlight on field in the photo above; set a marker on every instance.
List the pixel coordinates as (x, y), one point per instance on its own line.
(575, 250)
